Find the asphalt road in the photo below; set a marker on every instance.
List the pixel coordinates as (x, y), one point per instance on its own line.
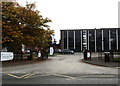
(59, 79)
(61, 69)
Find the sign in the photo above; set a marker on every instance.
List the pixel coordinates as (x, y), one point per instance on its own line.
(5, 56)
(23, 48)
(51, 51)
(39, 54)
(88, 54)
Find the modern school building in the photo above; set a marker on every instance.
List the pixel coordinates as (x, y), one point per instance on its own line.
(94, 40)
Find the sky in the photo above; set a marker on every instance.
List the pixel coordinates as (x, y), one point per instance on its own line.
(78, 14)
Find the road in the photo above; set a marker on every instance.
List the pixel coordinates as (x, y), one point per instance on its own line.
(61, 69)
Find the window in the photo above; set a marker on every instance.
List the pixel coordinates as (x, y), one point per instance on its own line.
(71, 39)
(65, 39)
(99, 40)
(77, 40)
(106, 39)
(92, 40)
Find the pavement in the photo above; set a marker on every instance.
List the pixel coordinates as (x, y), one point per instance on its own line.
(21, 62)
(100, 62)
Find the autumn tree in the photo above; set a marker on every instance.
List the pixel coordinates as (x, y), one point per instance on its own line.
(24, 25)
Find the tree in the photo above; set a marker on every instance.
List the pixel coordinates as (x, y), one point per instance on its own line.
(24, 25)
(10, 28)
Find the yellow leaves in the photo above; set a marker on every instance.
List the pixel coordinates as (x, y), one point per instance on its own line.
(6, 26)
(13, 32)
(6, 39)
(21, 25)
(19, 31)
(15, 36)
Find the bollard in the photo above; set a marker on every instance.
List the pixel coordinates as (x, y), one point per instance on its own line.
(85, 55)
(107, 57)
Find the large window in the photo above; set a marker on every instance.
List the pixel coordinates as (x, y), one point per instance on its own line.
(106, 39)
(99, 40)
(119, 39)
(77, 40)
(65, 39)
(113, 39)
(92, 40)
(71, 39)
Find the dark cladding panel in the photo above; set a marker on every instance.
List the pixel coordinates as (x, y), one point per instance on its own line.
(113, 39)
(71, 39)
(92, 40)
(99, 40)
(119, 39)
(65, 39)
(78, 40)
(62, 40)
(106, 39)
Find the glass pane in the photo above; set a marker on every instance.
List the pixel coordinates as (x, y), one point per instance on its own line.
(92, 40)
(77, 40)
(99, 40)
(65, 39)
(113, 39)
(71, 39)
(106, 40)
(119, 39)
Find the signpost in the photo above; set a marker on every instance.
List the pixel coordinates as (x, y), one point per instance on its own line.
(5, 56)
(39, 54)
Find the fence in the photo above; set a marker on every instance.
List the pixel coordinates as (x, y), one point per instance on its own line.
(25, 56)
(114, 56)
(34, 55)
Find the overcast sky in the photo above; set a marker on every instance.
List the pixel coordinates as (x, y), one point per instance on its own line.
(78, 14)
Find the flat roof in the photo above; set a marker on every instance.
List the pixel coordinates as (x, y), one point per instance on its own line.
(89, 29)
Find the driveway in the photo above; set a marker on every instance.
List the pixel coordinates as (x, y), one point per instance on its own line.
(62, 64)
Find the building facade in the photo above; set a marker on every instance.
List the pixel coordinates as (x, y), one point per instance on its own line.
(95, 40)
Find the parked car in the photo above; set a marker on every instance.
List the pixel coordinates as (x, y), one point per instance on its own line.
(66, 51)
(57, 50)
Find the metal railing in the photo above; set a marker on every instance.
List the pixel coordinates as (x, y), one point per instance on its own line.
(114, 56)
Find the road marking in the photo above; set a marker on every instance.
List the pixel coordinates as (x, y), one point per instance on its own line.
(98, 76)
(29, 76)
(38, 75)
(64, 76)
(17, 76)
(116, 67)
(51, 74)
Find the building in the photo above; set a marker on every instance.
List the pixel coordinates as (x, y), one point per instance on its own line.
(95, 40)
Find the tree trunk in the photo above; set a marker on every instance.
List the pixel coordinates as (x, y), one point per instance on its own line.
(21, 55)
(31, 55)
